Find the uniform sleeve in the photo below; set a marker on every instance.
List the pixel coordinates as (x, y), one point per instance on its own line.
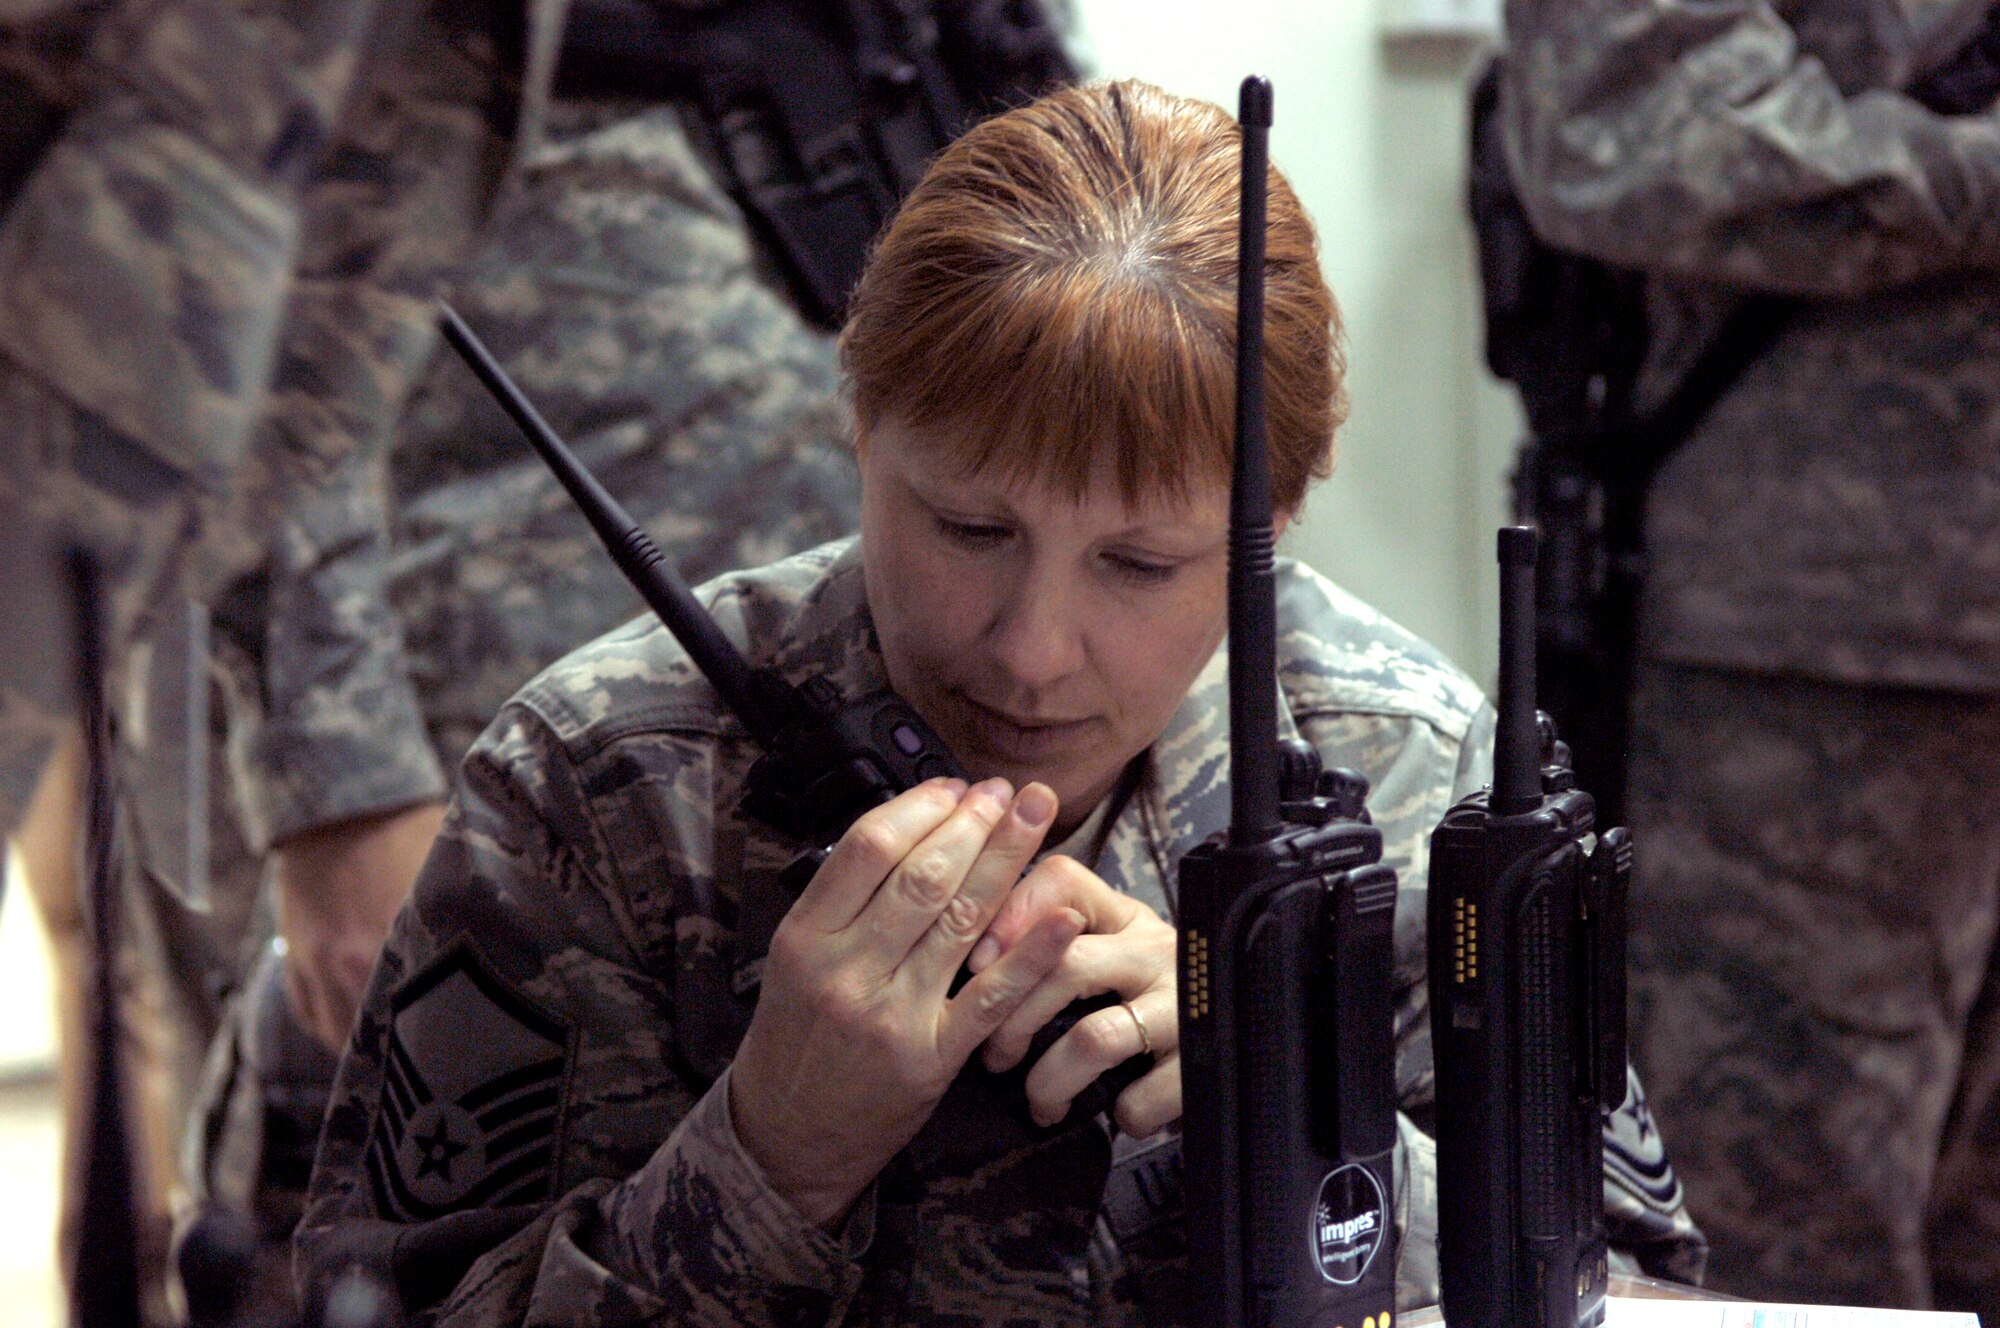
(1692, 138)
(337, 731)
(149, 223)
(1644, 1209)
(1417, 1280)
(513, 1137)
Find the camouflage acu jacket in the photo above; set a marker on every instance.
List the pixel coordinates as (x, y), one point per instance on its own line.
(218, 222)
(531, 1124)
(1834, 514)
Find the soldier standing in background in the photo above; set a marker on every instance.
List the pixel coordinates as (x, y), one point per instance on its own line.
(220, 225)
(1816, 1000)
(191, 292)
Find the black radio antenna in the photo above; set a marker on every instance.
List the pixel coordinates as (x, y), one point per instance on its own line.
(630, 547)
(1517, 738)
(1253, 663)
(105, 1291)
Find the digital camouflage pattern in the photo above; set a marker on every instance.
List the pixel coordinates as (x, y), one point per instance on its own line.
(401, 605)
(1835, 513)
(215, 266)
(623, 290)
(584, 950)
(262, 308)
(1813, 986)
(622, 287)
(145, 242)
(218, 222)
(402, 601)
(221, 221)
(1821, 614)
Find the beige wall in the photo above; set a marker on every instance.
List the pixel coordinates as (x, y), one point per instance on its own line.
(1371, 133)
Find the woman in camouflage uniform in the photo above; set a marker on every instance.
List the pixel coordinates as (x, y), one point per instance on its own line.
(607, 1072)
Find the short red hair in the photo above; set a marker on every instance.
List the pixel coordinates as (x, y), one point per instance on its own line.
(1063, 281)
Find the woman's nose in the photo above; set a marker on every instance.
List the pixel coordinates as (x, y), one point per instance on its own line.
(1038, 639)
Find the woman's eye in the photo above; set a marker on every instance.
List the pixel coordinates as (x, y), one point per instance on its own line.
(971, 534)
(1141, 571)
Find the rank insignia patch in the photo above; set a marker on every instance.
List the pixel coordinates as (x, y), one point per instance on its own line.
(1635, 1157)
(472, 1094)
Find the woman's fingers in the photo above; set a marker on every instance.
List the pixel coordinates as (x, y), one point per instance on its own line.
(869, 851)
(926, 883)
(1101, 1040)
(1056, 882)
(1152, 1103)
(1094, 964)
(984, 1003)
(935, 959)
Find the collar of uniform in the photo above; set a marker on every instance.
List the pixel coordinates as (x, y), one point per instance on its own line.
(832, 634)
(1183, 794)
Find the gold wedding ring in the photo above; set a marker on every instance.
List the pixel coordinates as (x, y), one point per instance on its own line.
(1145, 1038)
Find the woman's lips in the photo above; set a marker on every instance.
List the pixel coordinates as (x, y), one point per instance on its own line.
(1022, 738)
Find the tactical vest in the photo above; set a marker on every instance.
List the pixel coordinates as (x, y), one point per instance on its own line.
(822, 113)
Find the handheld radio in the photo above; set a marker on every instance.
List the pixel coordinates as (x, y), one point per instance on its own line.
(1286, 944)
(1527, 978)
(826, 758)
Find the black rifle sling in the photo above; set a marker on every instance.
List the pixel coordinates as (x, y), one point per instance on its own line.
(916, 102)
(822, 116)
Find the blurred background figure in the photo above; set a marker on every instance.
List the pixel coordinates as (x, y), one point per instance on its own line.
(215, 220)
(211, 225)
(1799, 200)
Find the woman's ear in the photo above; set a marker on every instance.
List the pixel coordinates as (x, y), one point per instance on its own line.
(860, 439)
(1279, 522)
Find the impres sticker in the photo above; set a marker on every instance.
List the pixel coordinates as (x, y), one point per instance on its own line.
(1348, 1224)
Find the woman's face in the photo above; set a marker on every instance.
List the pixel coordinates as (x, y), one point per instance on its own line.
(1041, 636)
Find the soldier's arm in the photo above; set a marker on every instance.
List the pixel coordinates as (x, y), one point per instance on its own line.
(336, 774)
(1645, 1211)
(514, 1136)
(334, 731)
(403, 199)
(1692, 138)
(148, 225)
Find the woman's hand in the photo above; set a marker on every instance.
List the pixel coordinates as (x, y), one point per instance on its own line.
(1128, 949)
(856, 1038)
